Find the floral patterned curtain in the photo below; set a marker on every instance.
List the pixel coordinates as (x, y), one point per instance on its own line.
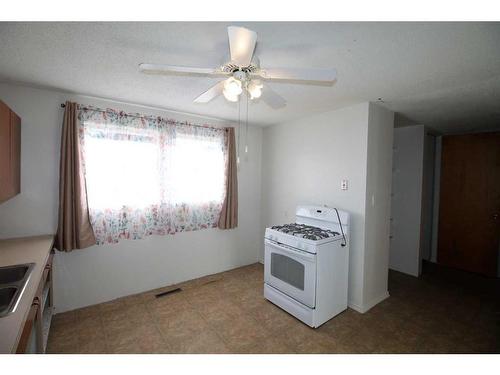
(149, 175)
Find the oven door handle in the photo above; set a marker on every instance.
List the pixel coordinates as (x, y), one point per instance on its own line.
(290, 250)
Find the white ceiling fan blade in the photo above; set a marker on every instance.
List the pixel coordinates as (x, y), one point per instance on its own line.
(241, 45)
(271, 98)
(172, 69)
(211, 93)
(309, 75)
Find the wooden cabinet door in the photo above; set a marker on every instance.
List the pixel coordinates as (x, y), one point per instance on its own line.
(15, 154)
(469, 207)
(5, 173)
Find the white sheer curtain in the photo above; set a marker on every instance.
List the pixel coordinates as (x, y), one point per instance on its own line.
(150, 175)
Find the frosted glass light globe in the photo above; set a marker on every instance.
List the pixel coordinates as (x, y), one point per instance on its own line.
(229, 97)
(255, 89)
(232, 87)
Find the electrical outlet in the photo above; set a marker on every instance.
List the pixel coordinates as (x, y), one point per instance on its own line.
(343, 185)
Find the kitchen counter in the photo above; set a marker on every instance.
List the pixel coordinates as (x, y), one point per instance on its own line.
(17, 251)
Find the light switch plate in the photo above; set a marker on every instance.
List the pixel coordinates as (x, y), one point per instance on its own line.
(343, 185)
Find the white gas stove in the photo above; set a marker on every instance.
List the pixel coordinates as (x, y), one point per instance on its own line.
(306, 264)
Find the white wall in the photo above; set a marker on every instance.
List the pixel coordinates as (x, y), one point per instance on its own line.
(406, 210)
(378, 205)
(304, 162)
(101, 273)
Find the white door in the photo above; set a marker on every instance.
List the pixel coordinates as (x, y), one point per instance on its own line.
(291, 271)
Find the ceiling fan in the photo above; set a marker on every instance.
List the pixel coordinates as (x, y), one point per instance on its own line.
(244, 73)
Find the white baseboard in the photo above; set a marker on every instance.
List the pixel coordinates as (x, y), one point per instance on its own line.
(364, 308)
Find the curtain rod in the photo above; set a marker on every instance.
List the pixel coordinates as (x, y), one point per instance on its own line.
(185, 123)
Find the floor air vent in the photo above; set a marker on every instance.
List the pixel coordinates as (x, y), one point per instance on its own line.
(163, 294)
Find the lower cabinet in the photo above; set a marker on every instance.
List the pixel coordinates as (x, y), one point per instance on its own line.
(36, 329)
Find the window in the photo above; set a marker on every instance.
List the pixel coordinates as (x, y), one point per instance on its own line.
(196, 172)
(119, 173)
(151, 176)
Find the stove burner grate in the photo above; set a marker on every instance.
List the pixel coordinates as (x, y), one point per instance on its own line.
(305, 231)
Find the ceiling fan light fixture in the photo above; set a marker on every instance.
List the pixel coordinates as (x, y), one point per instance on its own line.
(232, 88)
(229, 97)
(255, 89)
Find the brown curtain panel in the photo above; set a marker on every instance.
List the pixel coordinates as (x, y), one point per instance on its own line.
(229, 215)
(74, 230)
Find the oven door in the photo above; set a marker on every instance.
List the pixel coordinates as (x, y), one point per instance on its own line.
(291, 271)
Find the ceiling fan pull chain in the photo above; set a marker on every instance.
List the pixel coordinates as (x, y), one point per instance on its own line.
(239, 132)
(246, 128)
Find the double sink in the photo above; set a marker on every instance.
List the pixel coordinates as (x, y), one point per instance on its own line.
(13, 281)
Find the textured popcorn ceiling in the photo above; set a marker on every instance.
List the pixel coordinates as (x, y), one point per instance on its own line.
(444, 75)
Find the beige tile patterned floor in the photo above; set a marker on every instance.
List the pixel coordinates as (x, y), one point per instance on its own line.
(226, 313)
